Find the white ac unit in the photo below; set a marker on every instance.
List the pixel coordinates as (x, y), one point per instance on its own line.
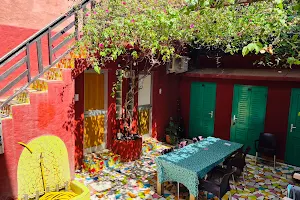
(178, 65)
(183, 65)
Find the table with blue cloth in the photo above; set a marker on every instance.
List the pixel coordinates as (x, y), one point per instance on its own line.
(194, 161)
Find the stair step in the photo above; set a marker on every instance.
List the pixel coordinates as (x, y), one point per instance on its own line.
(66, 63)
(54, 73)
(20, 99)
(23, 97)
(5, 112)
(39, 85)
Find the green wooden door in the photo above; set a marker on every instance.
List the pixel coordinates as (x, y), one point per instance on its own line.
(248, 114)
(202, 109)
(292, 153)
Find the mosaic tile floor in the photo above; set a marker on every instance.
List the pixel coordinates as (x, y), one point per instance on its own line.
(137, 180)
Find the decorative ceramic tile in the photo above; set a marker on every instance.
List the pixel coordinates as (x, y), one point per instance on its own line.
(137, 180)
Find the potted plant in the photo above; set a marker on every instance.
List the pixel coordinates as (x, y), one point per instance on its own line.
(172, 132)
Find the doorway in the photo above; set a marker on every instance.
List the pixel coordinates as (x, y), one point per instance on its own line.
(145, 105)
(248, 114)
(95, 111)
(202, 109)
(292, 152)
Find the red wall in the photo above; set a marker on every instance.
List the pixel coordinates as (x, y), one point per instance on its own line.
(10, 38)
(164, 105)
(48, 113)
(277, 112)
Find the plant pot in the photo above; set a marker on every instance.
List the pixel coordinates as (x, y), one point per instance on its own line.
(171, 139)
(168, 139)
(174, 139)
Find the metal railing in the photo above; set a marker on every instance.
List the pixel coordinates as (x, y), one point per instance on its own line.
(36, 40)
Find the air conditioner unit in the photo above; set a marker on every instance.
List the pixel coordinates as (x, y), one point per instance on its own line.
(183, 65)
(171, 66)
(178, 65)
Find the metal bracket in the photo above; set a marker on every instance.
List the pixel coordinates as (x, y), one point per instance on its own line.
(1, 139)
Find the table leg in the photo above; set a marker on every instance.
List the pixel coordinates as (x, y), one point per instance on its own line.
(160, 188)
(192, 197)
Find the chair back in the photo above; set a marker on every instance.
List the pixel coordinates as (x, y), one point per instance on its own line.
(225, 186)
(239, 160)
(246, 152)
(267, 140)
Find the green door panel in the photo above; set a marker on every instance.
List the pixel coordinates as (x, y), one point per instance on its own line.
(202, 109)
(248, 114)
(292, 153)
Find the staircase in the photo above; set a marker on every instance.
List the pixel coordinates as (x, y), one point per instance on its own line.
(38, 99)
(52, 50)
(59, 45)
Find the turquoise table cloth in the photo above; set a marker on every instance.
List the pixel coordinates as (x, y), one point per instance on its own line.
(188, 164)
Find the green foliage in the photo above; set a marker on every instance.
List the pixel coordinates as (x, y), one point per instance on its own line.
(252, 47)
(161, 29)
(172, 128)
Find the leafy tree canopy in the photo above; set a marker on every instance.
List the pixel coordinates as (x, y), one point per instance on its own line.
(159, 29)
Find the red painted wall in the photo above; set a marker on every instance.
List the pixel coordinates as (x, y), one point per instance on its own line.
(48, 113)
(277, 112)
(79, 120)
(164, 105)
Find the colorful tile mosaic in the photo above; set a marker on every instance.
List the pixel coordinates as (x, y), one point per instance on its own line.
(137, 180)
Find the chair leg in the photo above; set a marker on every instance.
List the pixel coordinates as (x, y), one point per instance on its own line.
(256, 157)
(233, 182)
(274, 161)
(178, 189)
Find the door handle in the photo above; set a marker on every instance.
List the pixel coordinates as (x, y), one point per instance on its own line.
(292, 127)
(211, 114)
(234, 118)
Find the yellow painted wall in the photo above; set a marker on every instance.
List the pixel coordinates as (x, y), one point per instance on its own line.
(93, 131)
(93, 100)
(56, 166)
(93, 91)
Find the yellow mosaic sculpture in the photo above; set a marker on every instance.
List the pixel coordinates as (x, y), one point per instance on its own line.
(53, 153)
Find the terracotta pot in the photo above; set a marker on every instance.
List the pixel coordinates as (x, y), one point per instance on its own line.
(168, 139)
